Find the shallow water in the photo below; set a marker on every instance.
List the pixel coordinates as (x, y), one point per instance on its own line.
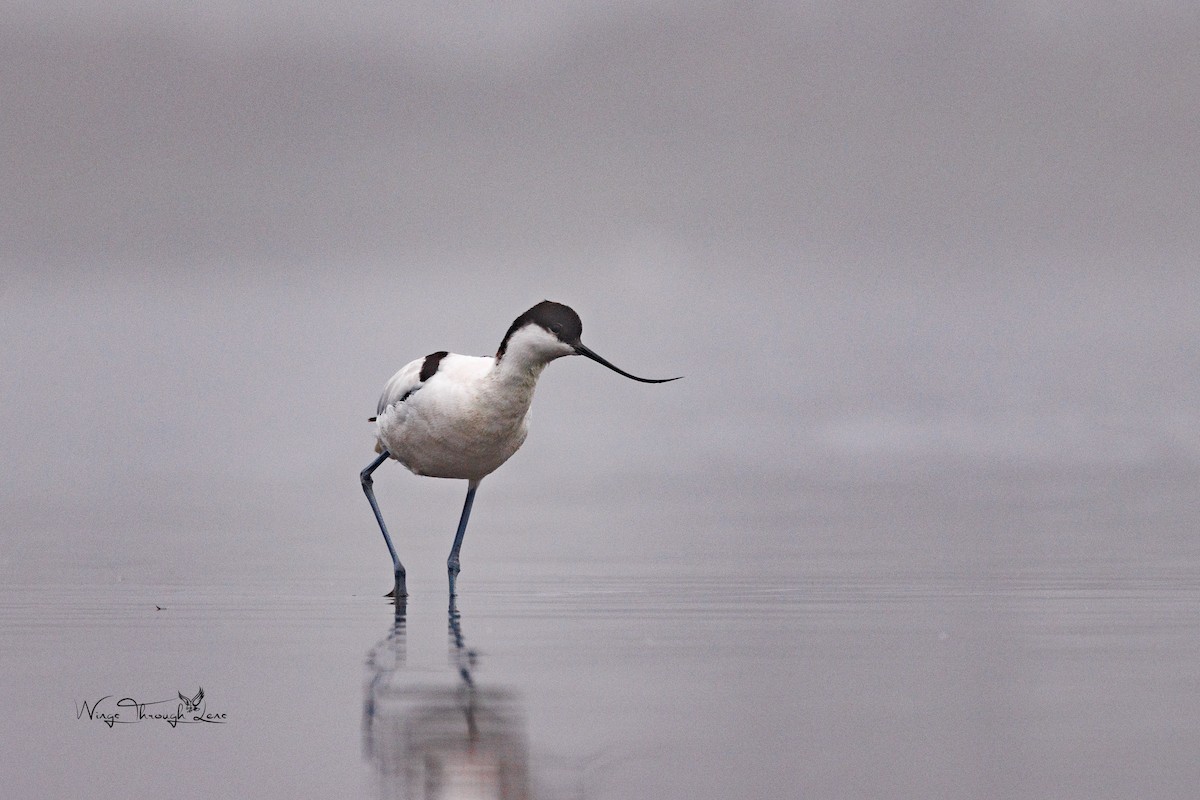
(862, 678)
(919, 522)
(914, 563)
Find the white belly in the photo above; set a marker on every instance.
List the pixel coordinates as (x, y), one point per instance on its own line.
(453, 431)
(469, 449)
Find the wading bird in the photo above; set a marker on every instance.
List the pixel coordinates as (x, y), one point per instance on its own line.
(453, 416)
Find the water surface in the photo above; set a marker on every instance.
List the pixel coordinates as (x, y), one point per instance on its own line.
(860, 678)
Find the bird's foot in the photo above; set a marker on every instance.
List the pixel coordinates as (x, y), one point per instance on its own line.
(400, 589)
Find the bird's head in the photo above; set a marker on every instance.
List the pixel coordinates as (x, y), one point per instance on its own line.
(551, 330)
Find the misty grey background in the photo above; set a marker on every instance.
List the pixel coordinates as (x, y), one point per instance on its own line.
(863, 234)
(928, 268)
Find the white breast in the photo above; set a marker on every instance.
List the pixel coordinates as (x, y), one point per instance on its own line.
(464, 422)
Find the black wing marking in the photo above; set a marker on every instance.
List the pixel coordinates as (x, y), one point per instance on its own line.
(429, 367)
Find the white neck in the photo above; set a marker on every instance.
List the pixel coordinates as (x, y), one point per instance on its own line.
(514, 370)
(527, 353)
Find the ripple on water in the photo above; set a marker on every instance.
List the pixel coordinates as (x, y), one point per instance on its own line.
(1038, 598)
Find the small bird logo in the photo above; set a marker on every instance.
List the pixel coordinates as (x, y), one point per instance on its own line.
(191, 704)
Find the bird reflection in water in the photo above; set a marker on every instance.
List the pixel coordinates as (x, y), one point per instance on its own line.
(426, 742)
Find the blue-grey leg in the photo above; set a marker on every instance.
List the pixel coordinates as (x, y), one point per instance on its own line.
(452, 561)
(400, 589)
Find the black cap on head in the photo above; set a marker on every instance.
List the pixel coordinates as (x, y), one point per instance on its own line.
(560, 320)
(564, 323)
